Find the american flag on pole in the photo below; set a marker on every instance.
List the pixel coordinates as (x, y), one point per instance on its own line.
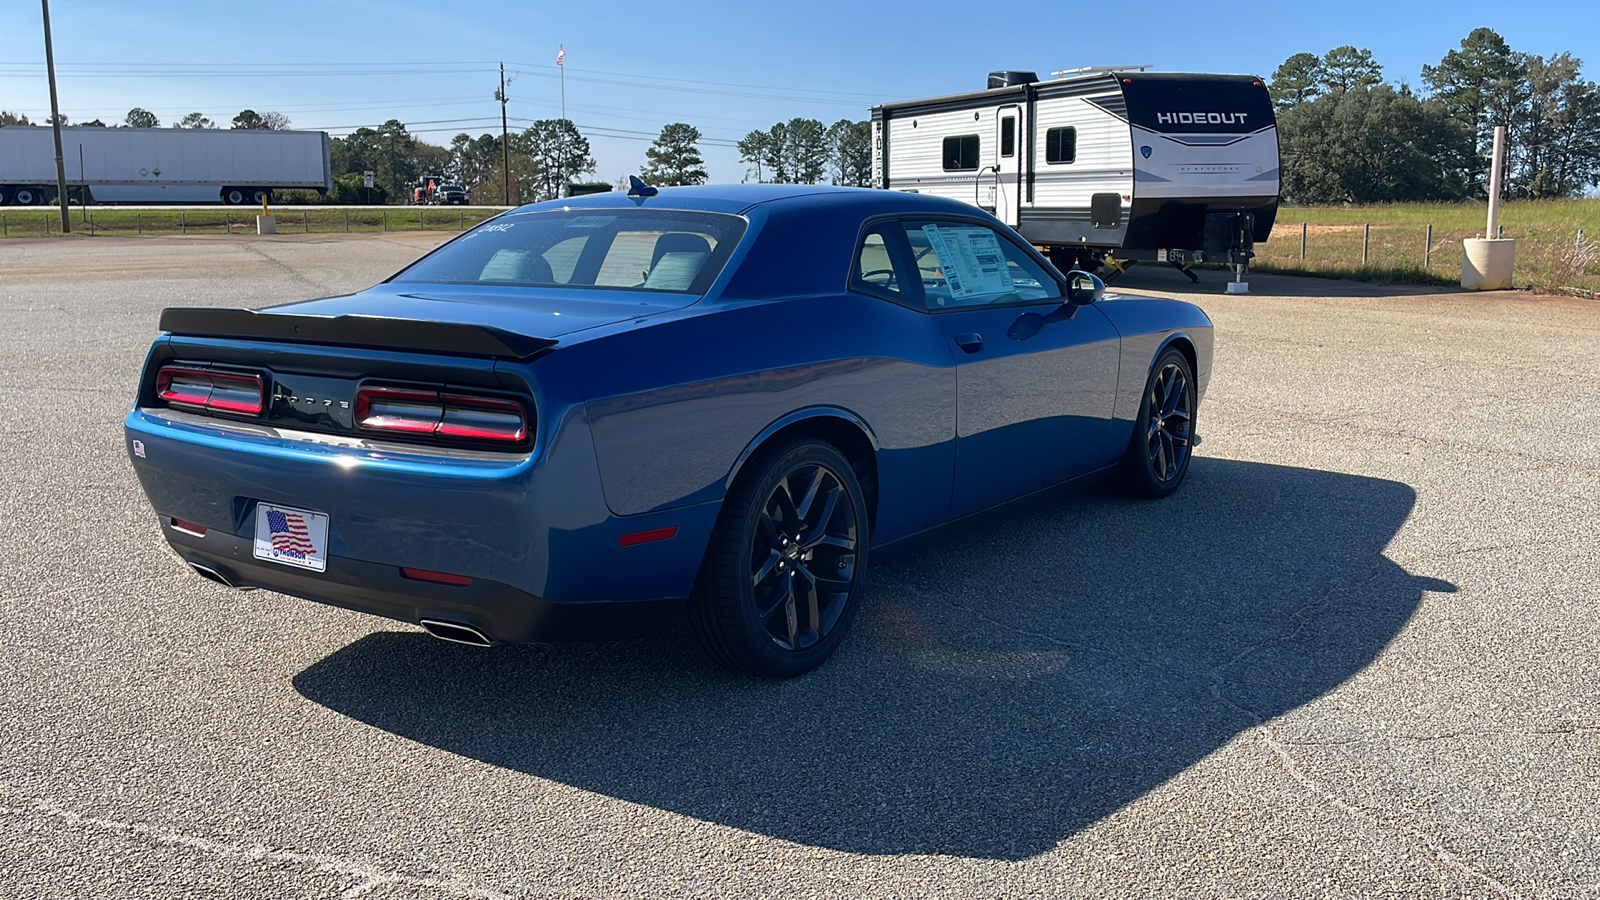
(561, 57)
(289, 534)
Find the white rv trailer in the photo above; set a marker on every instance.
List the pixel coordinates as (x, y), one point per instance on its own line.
(1179, 168)
(161, 165)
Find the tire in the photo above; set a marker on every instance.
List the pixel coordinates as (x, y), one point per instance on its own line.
(233, 196)
(5, 195)
(762, 604)
(26, 196)
(1158, 454)
(258, 195)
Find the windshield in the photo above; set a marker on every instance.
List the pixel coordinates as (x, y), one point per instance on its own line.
(671, 251)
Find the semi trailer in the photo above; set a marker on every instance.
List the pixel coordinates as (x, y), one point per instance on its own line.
(161, 165)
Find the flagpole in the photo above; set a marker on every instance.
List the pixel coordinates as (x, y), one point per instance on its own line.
(561, 63)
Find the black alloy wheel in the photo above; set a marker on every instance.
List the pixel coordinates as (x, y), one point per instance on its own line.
(1158, 454)
(784, 569)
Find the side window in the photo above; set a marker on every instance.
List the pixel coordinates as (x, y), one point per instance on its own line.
(875, 272)
(961, 264)
(1008, 136)
(961, 153)
(1061, 145)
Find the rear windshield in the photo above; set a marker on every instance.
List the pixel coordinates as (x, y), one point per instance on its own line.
(670, 251)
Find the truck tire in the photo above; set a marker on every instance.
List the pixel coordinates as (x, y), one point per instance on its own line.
(258, 195)
(233, 196)
(5, 195)
(26, 196)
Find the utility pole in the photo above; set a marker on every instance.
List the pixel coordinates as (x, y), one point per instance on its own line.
(505, 145)
(55, 124)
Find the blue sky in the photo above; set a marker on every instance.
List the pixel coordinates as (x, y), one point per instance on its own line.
(724, 67)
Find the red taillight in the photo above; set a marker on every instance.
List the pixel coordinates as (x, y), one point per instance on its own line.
(435, 577)
(446, 415)
(189, 528)
(208, 389)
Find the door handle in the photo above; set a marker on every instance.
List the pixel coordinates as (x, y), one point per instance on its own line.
(971, 343)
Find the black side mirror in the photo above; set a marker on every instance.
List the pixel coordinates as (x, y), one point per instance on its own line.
(1083, 288)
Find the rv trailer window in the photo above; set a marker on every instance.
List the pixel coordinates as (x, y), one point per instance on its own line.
(961, 153)
(1061, 145)
(1008, 136)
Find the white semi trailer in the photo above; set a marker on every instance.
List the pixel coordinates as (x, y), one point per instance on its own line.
(161, 165)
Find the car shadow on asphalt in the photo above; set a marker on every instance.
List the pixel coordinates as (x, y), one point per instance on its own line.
(1009, 684)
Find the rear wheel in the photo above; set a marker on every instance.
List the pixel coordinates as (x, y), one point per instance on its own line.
(784, 570)
(233, 196)
(5, 195)
(259, 196)
(26, 196)
(1158, 454)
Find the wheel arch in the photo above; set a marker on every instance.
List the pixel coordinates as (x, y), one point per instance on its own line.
(1184, 343)
(839, 427)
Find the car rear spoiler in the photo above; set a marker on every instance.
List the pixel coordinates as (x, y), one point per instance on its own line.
(452, 338)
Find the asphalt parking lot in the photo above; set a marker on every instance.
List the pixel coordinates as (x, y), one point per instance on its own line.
(1356, 656)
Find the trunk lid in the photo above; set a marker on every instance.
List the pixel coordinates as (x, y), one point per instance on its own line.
(534, 312)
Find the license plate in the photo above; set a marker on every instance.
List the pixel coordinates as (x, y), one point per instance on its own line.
(293, 537)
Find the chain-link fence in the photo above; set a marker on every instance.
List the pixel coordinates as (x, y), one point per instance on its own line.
(1553, 257)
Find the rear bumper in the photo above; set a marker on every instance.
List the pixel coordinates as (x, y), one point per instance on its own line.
(502, 612)
(546, 558)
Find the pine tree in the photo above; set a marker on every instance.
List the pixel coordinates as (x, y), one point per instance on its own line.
(673, 158)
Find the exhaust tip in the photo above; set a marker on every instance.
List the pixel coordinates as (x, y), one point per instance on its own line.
(211, 574)
(455, 632)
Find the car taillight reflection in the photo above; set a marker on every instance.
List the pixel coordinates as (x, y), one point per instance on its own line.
(447, 415)
(231, 392)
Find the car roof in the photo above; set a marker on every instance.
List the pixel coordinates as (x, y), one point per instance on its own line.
(739, 198)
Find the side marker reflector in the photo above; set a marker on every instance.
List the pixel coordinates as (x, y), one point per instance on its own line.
(435, 577)
(645, 537)
(188, 528)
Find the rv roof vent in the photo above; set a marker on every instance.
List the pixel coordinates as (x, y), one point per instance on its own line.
(1007, 79)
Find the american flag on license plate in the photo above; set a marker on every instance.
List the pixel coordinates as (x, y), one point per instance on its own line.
(289, 533)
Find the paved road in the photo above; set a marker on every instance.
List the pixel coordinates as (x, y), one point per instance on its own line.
(1356, 656)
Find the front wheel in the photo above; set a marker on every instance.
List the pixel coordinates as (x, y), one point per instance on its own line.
(784, 570)
(1158, 454)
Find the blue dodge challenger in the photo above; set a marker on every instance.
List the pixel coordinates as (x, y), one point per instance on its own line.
(581, 416)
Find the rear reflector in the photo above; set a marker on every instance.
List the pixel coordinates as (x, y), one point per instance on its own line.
(446, 415)
(645, 537)
(208, 389)
(188, 528)
(435, 577)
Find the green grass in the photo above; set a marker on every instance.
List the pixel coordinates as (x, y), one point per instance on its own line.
(101, 221)
(1549, 257)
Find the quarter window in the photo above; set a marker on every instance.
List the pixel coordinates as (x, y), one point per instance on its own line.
(1061, 145)
(875, 271)
(961, 153)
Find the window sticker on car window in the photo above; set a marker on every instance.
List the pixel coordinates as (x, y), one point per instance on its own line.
(971, 258)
